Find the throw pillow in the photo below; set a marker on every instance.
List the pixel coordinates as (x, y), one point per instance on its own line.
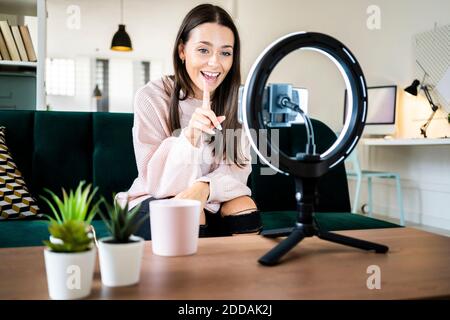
(15, 200)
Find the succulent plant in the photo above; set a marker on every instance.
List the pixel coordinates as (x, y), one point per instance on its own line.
(73, 206)
(120, 223)
(73, 236)
(72, 216)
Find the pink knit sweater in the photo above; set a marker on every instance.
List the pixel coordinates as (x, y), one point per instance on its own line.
(168, 164)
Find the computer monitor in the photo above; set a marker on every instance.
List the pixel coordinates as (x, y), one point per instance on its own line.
(382, 102)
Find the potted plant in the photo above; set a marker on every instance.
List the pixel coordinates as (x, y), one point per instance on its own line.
(120, 254)
(70, 253)
(76, 206)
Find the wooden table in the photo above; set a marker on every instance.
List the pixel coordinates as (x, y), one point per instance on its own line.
(417, 266)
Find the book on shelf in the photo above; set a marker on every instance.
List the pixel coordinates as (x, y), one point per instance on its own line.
(10, 43)
(3, 49)
(26, 37)
(16, 43)
(19, 43)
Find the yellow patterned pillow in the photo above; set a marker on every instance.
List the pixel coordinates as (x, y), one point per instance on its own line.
(15, 200)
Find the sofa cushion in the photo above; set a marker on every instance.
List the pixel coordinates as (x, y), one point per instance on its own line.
(20, 126)
(15, 199)
(62, 152)
(326, 221)
(114, 164)
(21, 233)
(25, 233)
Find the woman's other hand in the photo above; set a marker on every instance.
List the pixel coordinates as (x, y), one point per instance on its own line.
(198, 191)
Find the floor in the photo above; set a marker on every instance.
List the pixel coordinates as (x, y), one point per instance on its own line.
(442, 232)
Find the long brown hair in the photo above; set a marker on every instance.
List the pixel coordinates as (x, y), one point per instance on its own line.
(225, 97)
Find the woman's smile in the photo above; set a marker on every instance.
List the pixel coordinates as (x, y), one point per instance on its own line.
(210, 77)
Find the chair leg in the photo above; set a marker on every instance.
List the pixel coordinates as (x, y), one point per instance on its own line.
(357, 191)
(400, 200)
(369, 186)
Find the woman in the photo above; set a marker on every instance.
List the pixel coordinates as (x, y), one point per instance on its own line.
(174, 141)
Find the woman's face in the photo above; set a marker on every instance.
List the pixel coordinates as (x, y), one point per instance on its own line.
(208, 56)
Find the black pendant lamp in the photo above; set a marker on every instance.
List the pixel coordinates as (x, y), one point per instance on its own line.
(121, 40)
(97, 93)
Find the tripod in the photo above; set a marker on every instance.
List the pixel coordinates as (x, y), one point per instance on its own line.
(306, 197)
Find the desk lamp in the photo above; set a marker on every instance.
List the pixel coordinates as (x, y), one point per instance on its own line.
(307, 167)
(412, 89)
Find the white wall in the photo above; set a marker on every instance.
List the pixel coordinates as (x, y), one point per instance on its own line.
(151, 24)
(425, 177)
(81, 101)
(120, 85)
(386, 56)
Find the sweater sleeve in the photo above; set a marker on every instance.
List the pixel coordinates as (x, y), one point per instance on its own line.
(229, 181)
(166, 164)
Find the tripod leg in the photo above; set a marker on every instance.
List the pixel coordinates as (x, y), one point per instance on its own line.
(353, 242)
(271, 258)
(275, 233)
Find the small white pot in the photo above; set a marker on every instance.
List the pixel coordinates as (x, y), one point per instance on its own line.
(69, 275)
(120, 263)
(55, 240)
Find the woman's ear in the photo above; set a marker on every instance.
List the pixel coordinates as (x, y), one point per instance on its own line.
(181, 52)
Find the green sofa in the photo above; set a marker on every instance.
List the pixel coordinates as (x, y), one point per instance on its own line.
(59, 149)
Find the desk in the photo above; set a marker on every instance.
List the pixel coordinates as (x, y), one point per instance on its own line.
(424, 168)
(417, 266)
(405, 142)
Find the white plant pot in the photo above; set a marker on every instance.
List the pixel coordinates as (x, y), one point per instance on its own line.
(120, 263)
(69, 275)
(55, 240)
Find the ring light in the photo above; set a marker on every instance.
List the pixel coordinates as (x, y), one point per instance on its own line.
(355, 84)
(308, 167)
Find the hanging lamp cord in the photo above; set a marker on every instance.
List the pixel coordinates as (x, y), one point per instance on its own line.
(121, 11)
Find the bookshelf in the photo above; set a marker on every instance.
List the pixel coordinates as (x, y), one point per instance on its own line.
(37, 8)
(18, 63)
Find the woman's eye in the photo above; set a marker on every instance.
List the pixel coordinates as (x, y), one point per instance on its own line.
(226, 53)
(203, 50)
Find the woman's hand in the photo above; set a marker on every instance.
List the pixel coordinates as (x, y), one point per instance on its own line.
(198, 191)
(203, 120)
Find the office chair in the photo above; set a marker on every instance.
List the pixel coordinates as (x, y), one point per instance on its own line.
(359, 174)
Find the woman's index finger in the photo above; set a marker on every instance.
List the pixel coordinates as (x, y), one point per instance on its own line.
(206, 96)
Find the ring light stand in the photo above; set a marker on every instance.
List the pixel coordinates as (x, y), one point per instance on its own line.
(307, 167)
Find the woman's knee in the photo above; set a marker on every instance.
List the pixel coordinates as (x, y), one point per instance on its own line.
(240, 205)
